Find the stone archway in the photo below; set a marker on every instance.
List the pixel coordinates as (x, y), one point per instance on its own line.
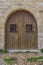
(21, 31)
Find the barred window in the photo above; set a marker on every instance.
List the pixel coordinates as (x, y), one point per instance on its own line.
(13, 28)
(28, 28)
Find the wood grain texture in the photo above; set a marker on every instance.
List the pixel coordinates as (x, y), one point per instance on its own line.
(21, 39)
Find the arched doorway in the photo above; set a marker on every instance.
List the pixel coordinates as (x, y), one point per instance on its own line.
(21, 31)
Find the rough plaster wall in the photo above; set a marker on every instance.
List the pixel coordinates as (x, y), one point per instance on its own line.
(34, 6)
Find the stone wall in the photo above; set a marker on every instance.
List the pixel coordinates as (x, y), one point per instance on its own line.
(33, 6)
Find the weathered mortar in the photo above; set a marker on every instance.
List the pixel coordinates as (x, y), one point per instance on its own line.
(33, 6)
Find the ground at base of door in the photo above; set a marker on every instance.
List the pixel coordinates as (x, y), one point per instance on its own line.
(21, 58)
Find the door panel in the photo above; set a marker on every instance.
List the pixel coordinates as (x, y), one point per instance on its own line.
(21, 30)
(24, 35)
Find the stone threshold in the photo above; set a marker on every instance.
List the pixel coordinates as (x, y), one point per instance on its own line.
(24, 50)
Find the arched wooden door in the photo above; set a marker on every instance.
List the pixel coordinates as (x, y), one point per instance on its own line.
(21, 31)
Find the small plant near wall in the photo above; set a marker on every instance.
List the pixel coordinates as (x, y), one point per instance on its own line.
(41, 50)
(3, 51)
(35, 59)
(10, 61)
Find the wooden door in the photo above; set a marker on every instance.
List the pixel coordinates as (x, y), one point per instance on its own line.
(21, 31)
